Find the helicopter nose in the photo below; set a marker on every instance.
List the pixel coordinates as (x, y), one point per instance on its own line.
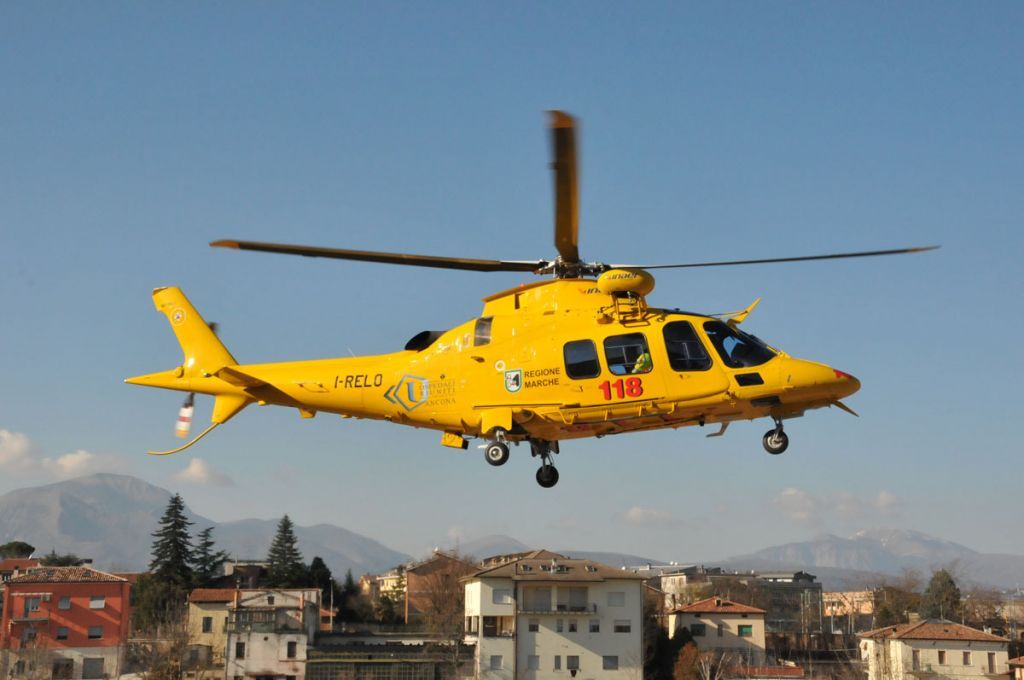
(810, 376)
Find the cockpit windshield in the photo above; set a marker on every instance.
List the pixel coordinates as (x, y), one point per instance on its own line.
(737, 349)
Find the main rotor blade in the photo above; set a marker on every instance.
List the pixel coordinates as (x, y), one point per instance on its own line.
(387, 258)
(563, 152)
(804, 258)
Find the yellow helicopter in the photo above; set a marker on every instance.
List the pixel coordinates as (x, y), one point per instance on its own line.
(580, 354)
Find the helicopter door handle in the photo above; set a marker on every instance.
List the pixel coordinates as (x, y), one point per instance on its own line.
(476, 358)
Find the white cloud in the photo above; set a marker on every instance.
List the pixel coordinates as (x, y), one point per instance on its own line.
(809, 509)
(650, 517)
(201, 472)
(21, 458)
(16, 451)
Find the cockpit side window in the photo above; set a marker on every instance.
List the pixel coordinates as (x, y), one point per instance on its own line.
(482, 331)
(737, 349)
(581, 359)
(685, 350)
(627, 353)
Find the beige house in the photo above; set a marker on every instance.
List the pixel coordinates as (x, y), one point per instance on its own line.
(1017, 668)
(724, 627)
(933, 648)
(848, 611)
(554, 617)
(207, 624)
(269, 631)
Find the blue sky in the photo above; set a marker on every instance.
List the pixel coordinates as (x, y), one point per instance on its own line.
(132, 135)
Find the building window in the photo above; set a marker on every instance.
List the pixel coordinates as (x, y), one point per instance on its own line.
(915, 660)
(495, 662)
(533, 626)
(721, 629)
(746, 631)
(63, 669)
(572, 663)
(95, 632)
(31, 606)
(572, 626)
(92, 668)
(967, 658)
(533, 662)
(610, 663)
(581, 359)
(97, 602)
(595, 625)
(626, 626)
(559, 625)
(270, 600)
(942, 657)
(207, 624)
(501, 597)
(991, 662)
(697, 629)
(617, 599)
(62, 633)
(558, 663)
(64, 603)
(292, 648)
(239, 650)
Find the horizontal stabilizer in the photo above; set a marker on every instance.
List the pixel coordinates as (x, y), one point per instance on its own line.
(235, 377)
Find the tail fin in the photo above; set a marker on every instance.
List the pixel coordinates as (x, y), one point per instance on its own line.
(204, 352)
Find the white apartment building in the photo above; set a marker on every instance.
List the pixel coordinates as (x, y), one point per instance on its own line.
(933, 649)
(546, 616)
(268, 632)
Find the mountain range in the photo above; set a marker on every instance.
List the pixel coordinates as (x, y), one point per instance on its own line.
(110, 518)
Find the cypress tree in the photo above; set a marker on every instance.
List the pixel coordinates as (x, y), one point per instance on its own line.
(286, 567)
(172, 549)
(208, 562)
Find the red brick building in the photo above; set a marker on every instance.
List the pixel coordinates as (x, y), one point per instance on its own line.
(437, 577)
(73, 620)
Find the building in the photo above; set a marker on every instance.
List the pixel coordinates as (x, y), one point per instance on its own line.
(933, 648)
(207, 624)
(729, 629)
(535, 617)
(73, 620)
(1017, 668)
(268, 633)
(793, 602)
(849, 611)
(13, 567)
(433, 579)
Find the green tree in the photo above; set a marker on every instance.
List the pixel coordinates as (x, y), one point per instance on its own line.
(16, 549)
(286, 568)
(386, 611)
(209, 562)
(320, 577)
(172, 548)
(941, 599)
(52, 559)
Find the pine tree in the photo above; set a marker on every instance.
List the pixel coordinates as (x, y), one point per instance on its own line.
(208, 562)
(941, 598)
(285, 567)
(172, 549)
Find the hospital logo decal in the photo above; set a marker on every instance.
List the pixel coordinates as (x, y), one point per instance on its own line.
(514, 380)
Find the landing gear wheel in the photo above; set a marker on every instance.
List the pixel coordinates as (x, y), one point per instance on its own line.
(547, 476)
(496, 453)
(775, 442)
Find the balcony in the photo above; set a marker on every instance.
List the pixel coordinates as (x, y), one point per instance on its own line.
(559, 609)
(33, 617)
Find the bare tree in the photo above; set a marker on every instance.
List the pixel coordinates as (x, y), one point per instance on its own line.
(714, 665)
(443, 598)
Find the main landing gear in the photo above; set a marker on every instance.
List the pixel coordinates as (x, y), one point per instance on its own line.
(496, 453)
(775, 441)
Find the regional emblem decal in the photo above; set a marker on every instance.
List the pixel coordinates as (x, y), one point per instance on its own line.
(514, 380)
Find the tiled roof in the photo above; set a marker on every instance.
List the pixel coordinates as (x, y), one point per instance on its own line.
(533, 569)
(718, 605)
(1019, 661)
(18, 563)
(212, 595)
(67, 575)
(933, 629)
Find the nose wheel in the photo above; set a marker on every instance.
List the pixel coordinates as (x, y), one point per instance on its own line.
(496, 453)
(775, 441)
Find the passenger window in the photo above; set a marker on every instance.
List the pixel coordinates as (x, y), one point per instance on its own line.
(581, 359)
(685, 351)
(627, 354)
(482, 331)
